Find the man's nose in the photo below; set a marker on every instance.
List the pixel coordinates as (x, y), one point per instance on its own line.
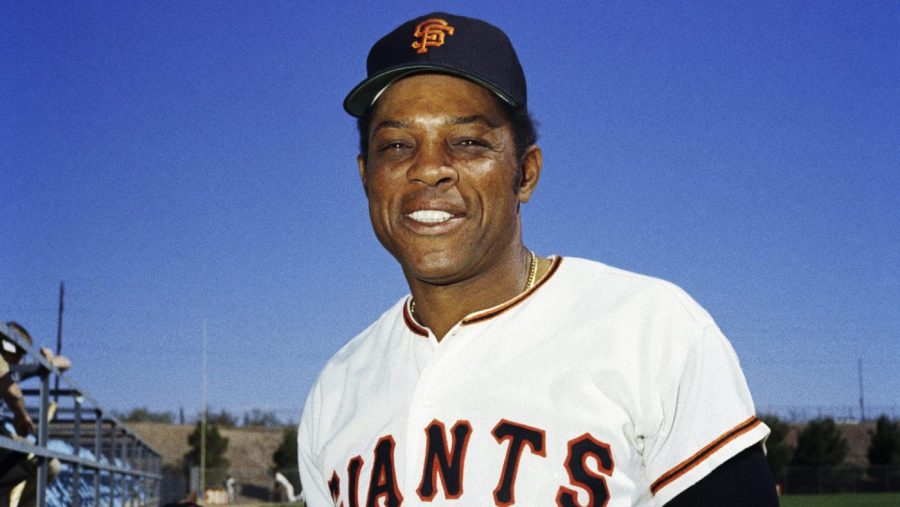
(432, 166)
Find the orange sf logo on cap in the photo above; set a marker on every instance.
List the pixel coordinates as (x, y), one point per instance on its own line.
(430, 34)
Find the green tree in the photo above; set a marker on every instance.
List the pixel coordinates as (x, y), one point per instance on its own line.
(216, 445)
(820, 444)
(778, 452)
(285, 457)
(259, 418)
(223, 418)
(143, 414)
(884, 446)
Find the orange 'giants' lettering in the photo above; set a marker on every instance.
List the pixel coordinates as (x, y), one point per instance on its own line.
(439, 460)
(580, 449)
(384, 479)
(518, 436)
(334, 487)
(353, 469)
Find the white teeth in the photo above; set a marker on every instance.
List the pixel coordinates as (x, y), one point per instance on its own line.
(430, 216)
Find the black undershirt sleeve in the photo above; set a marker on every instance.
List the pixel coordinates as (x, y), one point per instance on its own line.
(743, 481)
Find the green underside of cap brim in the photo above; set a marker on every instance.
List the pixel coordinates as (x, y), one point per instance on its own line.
(364, 94)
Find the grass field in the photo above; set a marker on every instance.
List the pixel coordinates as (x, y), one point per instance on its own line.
(842, 500)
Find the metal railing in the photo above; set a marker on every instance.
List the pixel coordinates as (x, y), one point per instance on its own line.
(102, 461)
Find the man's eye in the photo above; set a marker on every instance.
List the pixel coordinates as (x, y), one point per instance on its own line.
(472, 143)
(392, 146)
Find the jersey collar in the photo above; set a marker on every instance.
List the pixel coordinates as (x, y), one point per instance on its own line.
(483, 315)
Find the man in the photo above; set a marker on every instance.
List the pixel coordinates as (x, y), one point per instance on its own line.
(12, 354)
(18, 472)
(285, 489)
(505, 377)
(229, 488)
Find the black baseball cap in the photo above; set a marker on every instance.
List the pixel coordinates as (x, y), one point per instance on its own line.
(440, 42)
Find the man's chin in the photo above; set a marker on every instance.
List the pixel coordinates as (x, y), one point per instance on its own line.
(433, 271)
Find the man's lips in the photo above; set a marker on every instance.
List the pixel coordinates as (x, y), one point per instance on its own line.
(431, 221)
(430, 216)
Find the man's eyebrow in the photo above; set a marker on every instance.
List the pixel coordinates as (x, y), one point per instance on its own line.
(475, 118)
(391, 124)
(462, 120)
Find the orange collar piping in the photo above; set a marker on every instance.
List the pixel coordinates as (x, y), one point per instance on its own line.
(490, 312)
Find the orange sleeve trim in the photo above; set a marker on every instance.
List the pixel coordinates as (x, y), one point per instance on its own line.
(686, 465)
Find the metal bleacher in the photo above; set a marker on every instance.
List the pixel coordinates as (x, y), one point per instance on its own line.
(102, 462)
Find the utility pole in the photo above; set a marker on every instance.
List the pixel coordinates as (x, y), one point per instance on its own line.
(59, 317)
(862, 404)
(202, 495)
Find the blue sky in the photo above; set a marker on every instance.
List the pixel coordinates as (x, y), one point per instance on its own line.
(177, 163)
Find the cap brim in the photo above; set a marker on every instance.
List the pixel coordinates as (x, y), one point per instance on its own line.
(365, 93)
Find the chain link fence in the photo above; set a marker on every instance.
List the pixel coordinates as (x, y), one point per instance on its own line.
(840, 413)
(841, 479)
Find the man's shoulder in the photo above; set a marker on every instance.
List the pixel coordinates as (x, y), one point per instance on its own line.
(358, 365)
(591, 273)
(369, 342)
(609, 283)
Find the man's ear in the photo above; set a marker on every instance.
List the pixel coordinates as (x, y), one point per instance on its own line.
(361, 162)
(531, 165)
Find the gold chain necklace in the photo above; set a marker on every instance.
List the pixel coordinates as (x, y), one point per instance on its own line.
(529, 282)
(532, 272)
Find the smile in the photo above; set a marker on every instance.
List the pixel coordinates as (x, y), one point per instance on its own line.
(430, 216)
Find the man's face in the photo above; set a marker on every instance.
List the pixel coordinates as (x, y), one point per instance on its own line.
(442, 178)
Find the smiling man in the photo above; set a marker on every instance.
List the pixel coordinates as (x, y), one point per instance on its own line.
(506, 377)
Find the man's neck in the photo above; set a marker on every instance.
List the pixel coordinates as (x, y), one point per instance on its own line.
(440, 307)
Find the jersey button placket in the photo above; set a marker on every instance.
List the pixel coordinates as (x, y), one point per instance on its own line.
(423, 406)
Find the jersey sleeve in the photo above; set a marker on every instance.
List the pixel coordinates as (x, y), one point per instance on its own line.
(312, 478)
(708, 416)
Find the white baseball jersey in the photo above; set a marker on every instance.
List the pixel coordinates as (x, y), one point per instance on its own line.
(596, 387)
